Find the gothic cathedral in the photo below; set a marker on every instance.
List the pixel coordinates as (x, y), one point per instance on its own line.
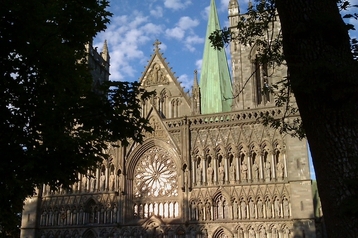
(209, 169)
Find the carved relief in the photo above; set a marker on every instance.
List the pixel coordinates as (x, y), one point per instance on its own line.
(156, 76)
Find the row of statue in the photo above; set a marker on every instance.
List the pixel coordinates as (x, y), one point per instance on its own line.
(242, 172)
(259, 209)
(90, 215)
(89, 183)
(263, 233)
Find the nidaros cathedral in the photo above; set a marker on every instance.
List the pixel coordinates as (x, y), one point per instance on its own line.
(209, 169)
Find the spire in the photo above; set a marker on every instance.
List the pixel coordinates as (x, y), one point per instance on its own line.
(196, 95)
(105, 52)
(215, 81)
(195, 84)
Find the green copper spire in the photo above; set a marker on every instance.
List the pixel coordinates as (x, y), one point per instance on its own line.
(215, 81)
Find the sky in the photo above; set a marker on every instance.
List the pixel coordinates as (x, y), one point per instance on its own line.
(180, 25)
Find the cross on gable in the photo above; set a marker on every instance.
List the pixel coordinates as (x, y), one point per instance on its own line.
(156, 44)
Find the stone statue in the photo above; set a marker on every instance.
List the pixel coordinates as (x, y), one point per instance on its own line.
(263, 233)
(277, 208)
(235, 212)
(286, 233)
(243, 170)
(208, 211)
(268, 170)
(83, 182)
(198, 174)
(74, 187)
(232, 173)
(286, 209)
(93, 184)
(210, 173)
(102, 181)
(252, 208)
(279, 168)
(260, 209)
(112, 182)
(201, 211)
(252, 233)
(243, 210)
(255, 170)
(268, 208)
(221, 173)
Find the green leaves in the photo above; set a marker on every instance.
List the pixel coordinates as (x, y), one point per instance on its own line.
(52, 123)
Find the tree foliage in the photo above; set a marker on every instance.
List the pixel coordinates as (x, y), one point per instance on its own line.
(52, 123)
(321, 58)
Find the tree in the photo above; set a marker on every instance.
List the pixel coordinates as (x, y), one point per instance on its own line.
(53, 125)
(323, 75)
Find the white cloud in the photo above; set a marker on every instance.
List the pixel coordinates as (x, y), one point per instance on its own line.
(198, 64)
(223, 5)
(184, 31)
(191, 40)
(176, 4)
(187, 23)
(126, 35)
(176, 32)
(157, 12)
(205, 13)
(186, 82)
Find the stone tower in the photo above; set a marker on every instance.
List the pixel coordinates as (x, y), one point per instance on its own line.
(205, 171)
(249, 75)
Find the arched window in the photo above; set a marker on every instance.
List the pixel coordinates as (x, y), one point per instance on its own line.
(261, 82)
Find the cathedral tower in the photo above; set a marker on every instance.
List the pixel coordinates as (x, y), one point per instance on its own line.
(215, 81)
(250, 76)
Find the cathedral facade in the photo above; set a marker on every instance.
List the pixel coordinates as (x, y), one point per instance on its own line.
(209, 169)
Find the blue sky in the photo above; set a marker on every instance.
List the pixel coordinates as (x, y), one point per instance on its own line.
(179, 24)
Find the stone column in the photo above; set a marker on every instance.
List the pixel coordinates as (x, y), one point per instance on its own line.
(107, 179)
(238, 174)
(226, 169)
(249, 167)
(98, 174)
(193, 170)
(273, 166)
(285, 175)
(203, 170)
(215, 167)
(261, 167)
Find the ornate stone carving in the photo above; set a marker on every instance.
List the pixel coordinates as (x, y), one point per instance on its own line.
(156, 175)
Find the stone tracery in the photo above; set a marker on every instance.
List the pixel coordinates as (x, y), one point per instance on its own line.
(156, 175)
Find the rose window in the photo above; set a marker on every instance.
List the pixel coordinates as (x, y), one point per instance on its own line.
(156, 175)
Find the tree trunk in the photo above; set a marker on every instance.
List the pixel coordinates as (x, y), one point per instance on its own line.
(324, 79)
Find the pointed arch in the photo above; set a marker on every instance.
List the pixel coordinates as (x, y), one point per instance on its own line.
(136, 155)
(164, 96)
(89, 234)
(222, 232)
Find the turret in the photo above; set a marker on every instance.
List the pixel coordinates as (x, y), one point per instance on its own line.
(234, 12)
(105, 52)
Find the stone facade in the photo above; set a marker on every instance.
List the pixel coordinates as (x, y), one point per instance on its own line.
(219, 175)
